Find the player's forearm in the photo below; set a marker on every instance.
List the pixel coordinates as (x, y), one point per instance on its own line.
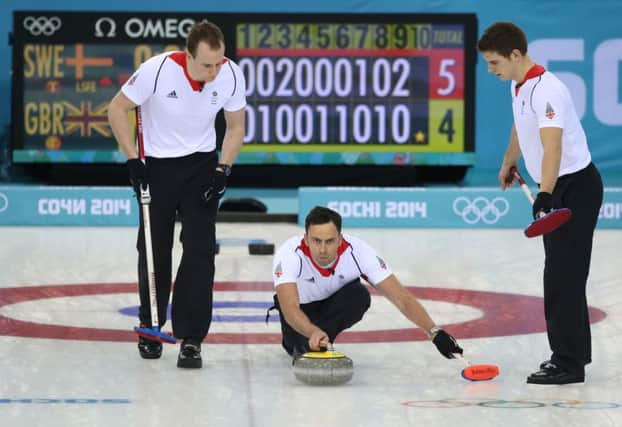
(550, 168)
(551, 138)
(512, 152)
(299, 321)
(120, 125)
(231, 145)
(405, 302)
(415, 312)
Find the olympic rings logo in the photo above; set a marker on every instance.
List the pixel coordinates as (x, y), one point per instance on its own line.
(481, 209)
(4, 202)
(42, 25)
(509, 404)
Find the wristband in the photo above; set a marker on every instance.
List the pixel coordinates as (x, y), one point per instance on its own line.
(433, 330)
(225, 168)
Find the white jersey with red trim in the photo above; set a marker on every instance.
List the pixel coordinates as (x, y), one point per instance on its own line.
(178, 113)
(293, 264)
(544, 101)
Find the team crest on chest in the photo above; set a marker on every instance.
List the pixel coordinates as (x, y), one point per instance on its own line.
(214, 99)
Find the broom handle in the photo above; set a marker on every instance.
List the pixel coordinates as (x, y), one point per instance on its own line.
(145, 201)
(460, 357)
(523, 185)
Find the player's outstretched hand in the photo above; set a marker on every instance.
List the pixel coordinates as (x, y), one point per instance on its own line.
(446, 344)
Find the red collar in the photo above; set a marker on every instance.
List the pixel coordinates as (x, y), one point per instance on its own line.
(180, 58)
(324, 271)
(535, 71)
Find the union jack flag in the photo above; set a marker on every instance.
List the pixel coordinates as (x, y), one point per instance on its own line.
(87, 119)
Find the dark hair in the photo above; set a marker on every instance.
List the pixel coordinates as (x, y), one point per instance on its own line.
(207, 32)
(503, 38)
(321, 215)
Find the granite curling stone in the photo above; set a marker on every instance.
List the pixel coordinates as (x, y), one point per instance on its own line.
(323, 368)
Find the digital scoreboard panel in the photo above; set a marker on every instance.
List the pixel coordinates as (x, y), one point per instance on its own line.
(322, 89)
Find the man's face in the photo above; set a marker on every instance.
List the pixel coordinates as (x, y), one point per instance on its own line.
(504, 68)
(323, 240)
(206, 64)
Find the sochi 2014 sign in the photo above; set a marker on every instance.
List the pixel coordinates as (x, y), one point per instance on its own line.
(437, 207)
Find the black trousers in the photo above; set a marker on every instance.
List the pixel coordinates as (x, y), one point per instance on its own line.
(568, 252)
(176, 186)
(334, 314)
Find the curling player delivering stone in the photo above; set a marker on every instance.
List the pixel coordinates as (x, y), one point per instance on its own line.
(319, 294)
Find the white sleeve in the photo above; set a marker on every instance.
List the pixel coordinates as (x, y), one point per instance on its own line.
(373, 267)
(548, 104)
(238, 98)
(140, 86)
(285, 266)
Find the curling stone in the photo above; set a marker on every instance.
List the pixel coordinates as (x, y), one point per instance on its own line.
(323, 368)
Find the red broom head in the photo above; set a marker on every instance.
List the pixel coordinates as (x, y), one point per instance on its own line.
(480, 372)
(548, 222)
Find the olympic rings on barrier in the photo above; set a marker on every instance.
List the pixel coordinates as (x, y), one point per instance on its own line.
(42, 25)
(509, 404)
(4, 202)
(481, 209)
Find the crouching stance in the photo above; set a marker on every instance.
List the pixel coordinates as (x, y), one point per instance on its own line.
(319, 292)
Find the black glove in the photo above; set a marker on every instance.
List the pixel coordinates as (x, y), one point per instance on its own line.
(138, 174)
(446, 344)
(217, 187)
(543, 203)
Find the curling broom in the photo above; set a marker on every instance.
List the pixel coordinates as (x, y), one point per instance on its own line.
(546, 222)
(152, 333)
(477, 372)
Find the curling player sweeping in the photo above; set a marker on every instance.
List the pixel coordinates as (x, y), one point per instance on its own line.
(319, 294)
(178, 97)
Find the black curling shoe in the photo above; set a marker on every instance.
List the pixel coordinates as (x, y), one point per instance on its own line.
(149, 349)
(550, 373)
(190, 355)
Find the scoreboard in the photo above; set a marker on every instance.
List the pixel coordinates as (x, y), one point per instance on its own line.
(322, 89)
